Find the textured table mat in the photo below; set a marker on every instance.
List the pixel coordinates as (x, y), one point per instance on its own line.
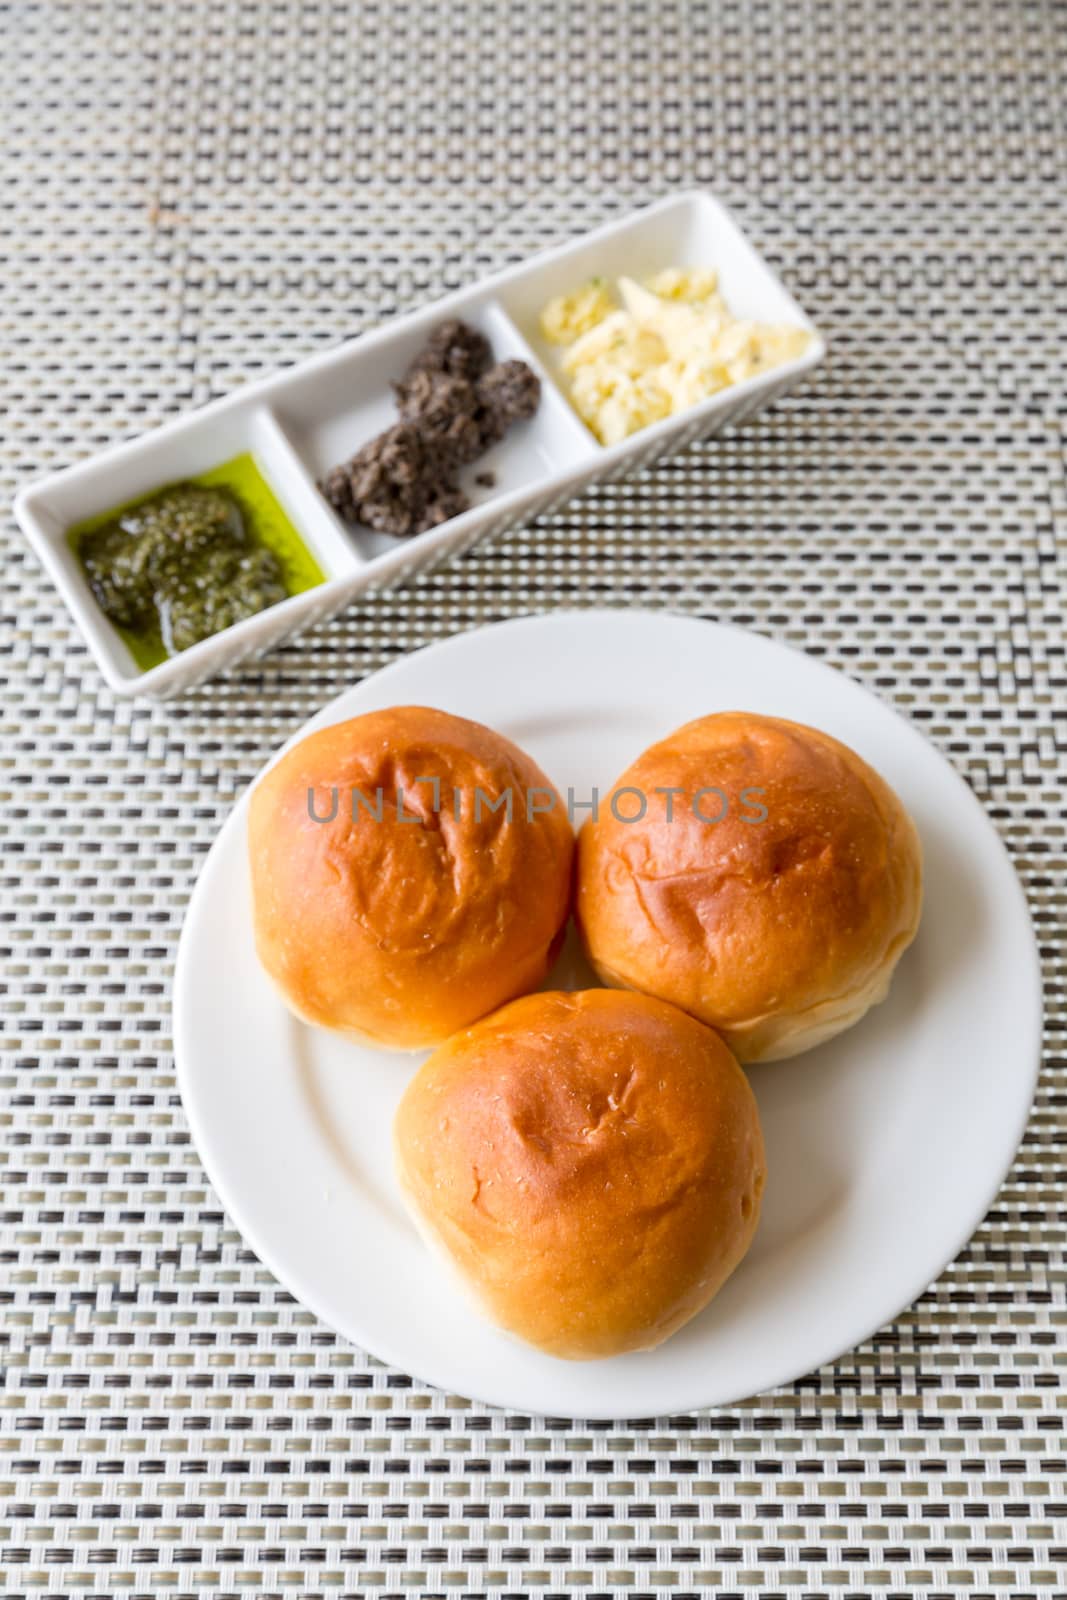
(194, 193)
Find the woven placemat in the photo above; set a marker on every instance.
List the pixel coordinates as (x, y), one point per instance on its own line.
(194, 193)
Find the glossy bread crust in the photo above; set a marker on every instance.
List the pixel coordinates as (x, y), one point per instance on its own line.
(402, 929)
(778, 930)
(590, 1163)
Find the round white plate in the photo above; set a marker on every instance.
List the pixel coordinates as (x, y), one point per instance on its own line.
(884, 1148)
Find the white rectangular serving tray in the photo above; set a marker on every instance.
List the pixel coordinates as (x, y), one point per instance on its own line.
(306, 419)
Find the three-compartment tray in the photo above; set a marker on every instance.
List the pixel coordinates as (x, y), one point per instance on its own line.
(302, 421)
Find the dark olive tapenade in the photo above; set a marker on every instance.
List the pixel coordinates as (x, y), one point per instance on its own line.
(454, 405)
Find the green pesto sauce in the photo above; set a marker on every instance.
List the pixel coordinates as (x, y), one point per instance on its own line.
(265, 523)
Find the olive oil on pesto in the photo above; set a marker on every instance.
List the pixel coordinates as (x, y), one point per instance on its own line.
(290, 567)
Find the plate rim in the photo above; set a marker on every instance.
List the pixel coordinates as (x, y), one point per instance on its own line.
(1030, 1028)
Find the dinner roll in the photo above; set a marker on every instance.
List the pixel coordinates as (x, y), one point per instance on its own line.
(411, 870)
(592, 1164)
(778, 913)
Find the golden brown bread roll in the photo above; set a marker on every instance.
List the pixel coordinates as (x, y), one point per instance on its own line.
(401, 920)
(591, 1163)
(781, 923)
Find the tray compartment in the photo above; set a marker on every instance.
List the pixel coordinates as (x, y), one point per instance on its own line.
(329, 414)
(690, 230)
(183, 449)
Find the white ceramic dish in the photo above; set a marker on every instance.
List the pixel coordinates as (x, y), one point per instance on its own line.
(885, 1147)
(300, 422)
